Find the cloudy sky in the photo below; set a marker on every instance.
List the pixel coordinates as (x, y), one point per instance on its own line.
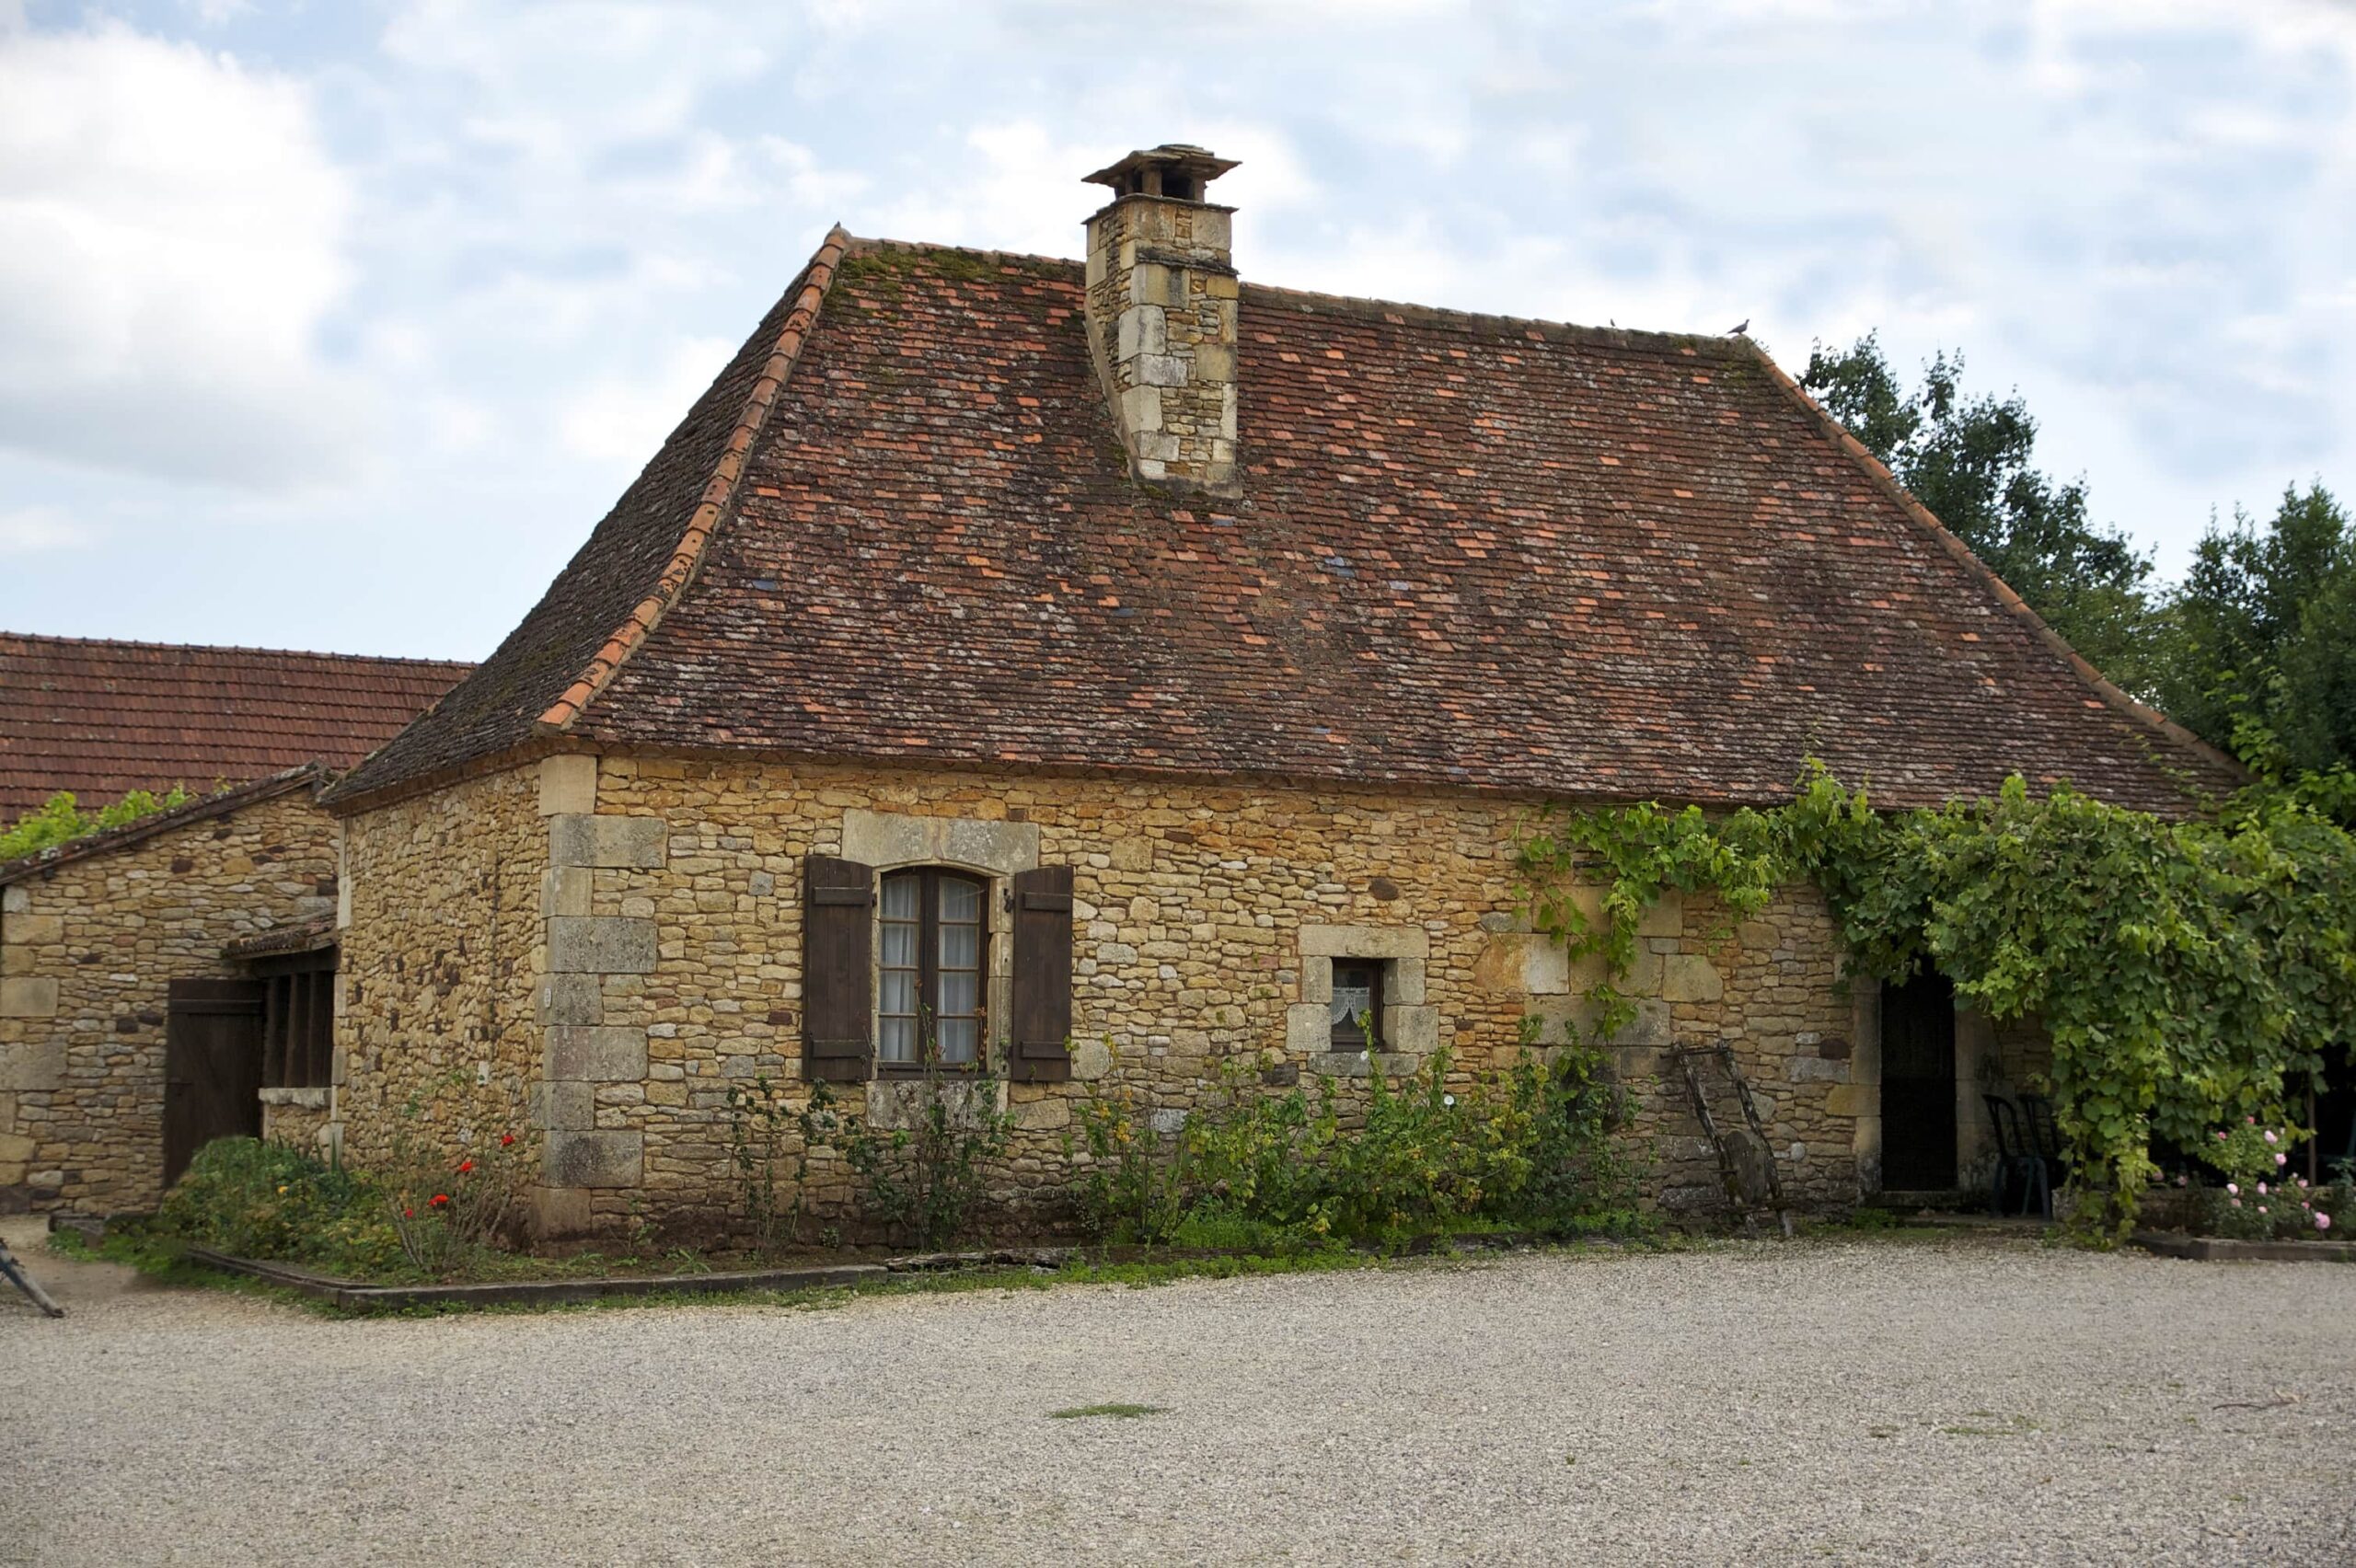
(338, 325)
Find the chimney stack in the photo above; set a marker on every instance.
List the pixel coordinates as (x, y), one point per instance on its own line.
(1162, 315)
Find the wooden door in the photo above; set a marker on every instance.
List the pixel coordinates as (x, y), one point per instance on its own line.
(212, 1067)
(1918, 1085)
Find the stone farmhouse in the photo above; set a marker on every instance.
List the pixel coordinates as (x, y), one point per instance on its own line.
(143, 970)
(1098, 671)
(1101, 669)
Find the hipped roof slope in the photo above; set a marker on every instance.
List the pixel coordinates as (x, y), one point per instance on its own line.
(1468, 552)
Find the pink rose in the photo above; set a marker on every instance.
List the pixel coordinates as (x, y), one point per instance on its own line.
(2251, 1120)
(2282, 1160)
(2269, 1134)
(2221, 1137)
(2261, 1189)
(2233, 1187)
(2235, 1202)
(2322, 1222)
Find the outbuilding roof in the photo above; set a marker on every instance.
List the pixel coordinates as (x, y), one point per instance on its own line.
(101, 717)
(1468, 551)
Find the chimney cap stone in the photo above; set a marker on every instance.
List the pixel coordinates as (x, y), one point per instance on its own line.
(1174, 170)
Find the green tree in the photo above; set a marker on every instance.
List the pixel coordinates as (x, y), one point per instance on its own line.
(1971, 460)
(2258, 649)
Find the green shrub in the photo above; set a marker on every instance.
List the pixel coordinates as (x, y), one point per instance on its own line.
(253, 1199)
(1528, 1150)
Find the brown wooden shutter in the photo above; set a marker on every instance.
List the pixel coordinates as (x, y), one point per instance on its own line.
(1041, 1044)
(838, 1015)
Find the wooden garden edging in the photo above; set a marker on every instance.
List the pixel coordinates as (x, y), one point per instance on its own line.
(352, 1295)
(2221, 1249)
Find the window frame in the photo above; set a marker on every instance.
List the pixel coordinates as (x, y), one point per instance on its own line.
(1345, 1034)
(928, 970)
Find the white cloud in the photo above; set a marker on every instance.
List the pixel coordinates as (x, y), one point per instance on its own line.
(171, 237)
(29, 529)
(622, 420)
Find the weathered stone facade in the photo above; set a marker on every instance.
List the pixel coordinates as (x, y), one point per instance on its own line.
(87, 949)
(618, 943)
(442, 944)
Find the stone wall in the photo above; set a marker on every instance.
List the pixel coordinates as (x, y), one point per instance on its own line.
(1162, 305)
(86, 953)
(666, 954)
(442, 945)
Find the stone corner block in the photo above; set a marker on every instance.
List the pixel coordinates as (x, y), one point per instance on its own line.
(596, 1159)
(15, 900)
(1414, 1030)
(600, 1054)
(630, 842)
(1665, 917)
(601, 944)
(1406, 984)
(32, 1066)
(29, 995)
(1686, 978)
(1308, 1026)
(32, 931)
(568, 785)
(570, 999)
(560, 1212)
(1365, 942)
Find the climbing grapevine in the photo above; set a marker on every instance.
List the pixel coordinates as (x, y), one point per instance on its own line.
(2186, 972)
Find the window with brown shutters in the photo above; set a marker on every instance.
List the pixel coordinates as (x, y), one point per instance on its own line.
(1040, 1038)
(837, 903)
(934, 927)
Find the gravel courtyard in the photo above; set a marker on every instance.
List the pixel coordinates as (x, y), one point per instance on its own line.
(1968, 1399)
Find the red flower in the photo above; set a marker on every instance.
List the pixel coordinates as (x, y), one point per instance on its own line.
(464, 1166)
(441, 1198)
(409, 1214)
(506, 1139)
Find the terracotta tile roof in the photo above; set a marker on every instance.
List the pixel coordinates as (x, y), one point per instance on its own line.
(100, 718)
(310, 775)
(1469, 551)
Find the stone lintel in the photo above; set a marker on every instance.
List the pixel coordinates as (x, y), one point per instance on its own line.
(895, 839)
(1365, 942)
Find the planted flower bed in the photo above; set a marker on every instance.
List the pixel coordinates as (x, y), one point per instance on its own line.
(2257, 1208)
(1257, 1172)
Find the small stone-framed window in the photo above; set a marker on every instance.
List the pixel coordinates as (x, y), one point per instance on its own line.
(931, 963)
(1357, 1003)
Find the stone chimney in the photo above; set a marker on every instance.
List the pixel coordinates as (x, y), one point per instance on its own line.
(1162, 315)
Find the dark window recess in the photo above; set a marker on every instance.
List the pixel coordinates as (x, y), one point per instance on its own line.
(1357, 1004)
(298, 1020)
(935, 930)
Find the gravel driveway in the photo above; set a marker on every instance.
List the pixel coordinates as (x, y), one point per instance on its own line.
(1968, 1399)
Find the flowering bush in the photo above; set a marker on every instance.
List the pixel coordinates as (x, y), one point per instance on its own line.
(2260, 1198)
(446, 1204)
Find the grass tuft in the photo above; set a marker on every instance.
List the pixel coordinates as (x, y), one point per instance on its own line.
(1118, 1412)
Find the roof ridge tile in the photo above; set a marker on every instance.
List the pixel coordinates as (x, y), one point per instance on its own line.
(718, 491)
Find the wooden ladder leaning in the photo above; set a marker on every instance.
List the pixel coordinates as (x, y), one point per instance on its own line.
(1687, 1057)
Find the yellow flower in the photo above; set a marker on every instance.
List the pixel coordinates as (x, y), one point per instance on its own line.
(281, 1191)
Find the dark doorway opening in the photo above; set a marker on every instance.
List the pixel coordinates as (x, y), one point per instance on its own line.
(213, 1034)
(1918, 1091)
